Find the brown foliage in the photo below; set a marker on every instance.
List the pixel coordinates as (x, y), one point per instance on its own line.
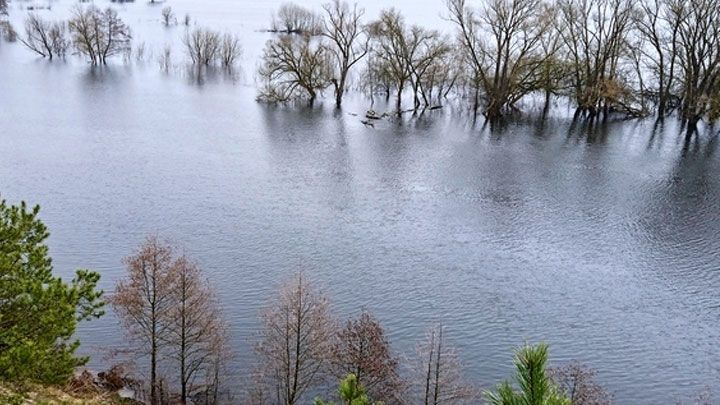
(438, 375)
(578, 383)
(196, 332)
(168, 308)
(362, 349)
(113, 379)
(144, 302)
(296, 341)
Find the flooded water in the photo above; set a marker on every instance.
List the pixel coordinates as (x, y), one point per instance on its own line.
(603, 239)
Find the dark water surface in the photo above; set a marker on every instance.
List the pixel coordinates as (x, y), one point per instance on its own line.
(602, 240)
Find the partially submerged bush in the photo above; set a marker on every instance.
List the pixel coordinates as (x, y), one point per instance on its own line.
(294, 19)
(202, 45)
(168, 16)
(7, 31)
(230, 50)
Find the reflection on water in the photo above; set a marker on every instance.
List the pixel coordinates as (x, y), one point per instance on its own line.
(601, 237)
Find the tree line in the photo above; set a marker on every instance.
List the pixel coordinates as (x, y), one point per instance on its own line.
(607, 56)
(99, 34)
(174, 322)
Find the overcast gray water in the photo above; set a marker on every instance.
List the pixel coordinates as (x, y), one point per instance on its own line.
(603, 240)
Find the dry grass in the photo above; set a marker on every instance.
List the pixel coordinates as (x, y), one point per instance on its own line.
(32, 394)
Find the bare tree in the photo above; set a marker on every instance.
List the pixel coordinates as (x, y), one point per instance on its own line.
(294, 68)
(296, 340)
(220, 354)
(230, 50)
(196, 329)
(376, 78)
(438, 372)
(202, 45)
(165, 59)
(99, 34)
(168, 16)
(114, 37)
(349, 42)
(3, 7)
(84, 25)
(402, 57)
(502, 43)
(362, 349)
(294, 19)
(426, 55)
(46, 38)
(578, 384)
(699, 57)
(391, 51)
(144, 302)
(595, 34)
(658, 23)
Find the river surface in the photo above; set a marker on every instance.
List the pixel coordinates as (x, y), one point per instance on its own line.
(603, 240)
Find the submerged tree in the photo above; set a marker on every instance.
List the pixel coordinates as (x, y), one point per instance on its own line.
(391, 52)
(699, 58)
(294, 19)
(362, 350)
(98, 34)
(296, 342)
(658, 23)
(502, 45)
(427, 63)
(536, 386)
(47, 39)
(168, 16)
(438, 375)
(144, 302)
(230, 50)
(294, 68)
(349, 42)
(202, 45)
(38, 311)
(205, 46)
(402, 57)
(595, 35)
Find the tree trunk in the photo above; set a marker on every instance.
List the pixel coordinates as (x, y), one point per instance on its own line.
(398, 103)
(340, 91)
(153, 368)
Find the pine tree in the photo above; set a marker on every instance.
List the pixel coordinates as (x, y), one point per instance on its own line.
(536, 386)
(38, 311)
